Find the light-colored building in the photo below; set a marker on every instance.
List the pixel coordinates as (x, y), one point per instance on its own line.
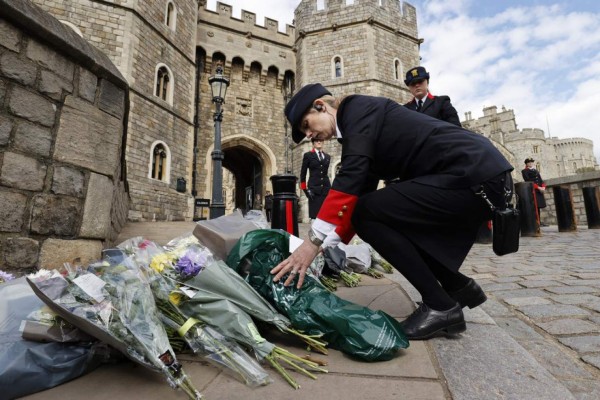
(554, 157)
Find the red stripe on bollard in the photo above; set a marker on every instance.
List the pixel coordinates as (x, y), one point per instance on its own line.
(289, 216)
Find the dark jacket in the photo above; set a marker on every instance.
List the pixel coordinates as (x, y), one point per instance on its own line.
(533, 175)
(382, 139)
(318, 180)
(438, 107)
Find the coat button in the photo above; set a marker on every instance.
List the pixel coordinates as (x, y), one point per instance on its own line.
(344, 208)
(340, 214)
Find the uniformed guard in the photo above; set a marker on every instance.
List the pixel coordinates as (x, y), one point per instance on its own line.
(423, 225)
(316, 163)
(440, 107)
(531, 174)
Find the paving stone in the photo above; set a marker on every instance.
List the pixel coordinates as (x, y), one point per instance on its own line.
(495, 309)
(500, 286)
(524, 301)
(508, 279)
(592, 305)
(582, 344)
(475, 369)
(592, 359)
(583, 390)
(569, 326)
(506, 294)
(537, 284)
(557, 359)
(543, 311)
(477, 316)
(575, 299)
(572, 289)
(518, 329)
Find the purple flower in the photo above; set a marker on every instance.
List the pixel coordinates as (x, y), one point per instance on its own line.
(5, 276)
(187, 267)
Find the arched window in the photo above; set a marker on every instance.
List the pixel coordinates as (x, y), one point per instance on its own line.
(164, 83)
(160, 162)
(398, 70)
(575, 166)
(170, 15)
(337, 66)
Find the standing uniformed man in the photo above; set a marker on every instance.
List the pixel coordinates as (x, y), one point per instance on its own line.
(316, 163)
(531, 174)
(439, 107)
(425, 224)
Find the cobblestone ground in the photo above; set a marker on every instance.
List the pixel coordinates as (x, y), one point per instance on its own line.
(547, 297)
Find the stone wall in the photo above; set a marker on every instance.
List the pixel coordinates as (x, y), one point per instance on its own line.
(63, 113)
(575, 183)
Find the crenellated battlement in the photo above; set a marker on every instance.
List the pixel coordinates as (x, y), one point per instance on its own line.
(396, 16)
(247, 23)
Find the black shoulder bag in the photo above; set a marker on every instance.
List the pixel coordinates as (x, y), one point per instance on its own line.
(506, 225)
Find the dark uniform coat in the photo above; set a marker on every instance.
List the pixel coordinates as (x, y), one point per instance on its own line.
(381, 139)
(318, 181)
(438, 107)
(533, 175)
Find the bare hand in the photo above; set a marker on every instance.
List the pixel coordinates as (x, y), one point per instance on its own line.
(541, 188)
(296, 264)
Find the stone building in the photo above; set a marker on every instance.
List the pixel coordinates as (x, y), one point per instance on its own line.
(554, 157)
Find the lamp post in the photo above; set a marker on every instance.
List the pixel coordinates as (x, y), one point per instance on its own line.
(218, 86)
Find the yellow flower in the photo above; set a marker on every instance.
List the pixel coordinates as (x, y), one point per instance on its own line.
(159, 262)
(175, 298)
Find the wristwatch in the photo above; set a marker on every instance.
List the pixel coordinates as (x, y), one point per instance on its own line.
(314, 239)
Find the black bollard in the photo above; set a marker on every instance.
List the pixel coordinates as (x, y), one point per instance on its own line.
(591, 199)
(484, 234)
(563, 203)
(530, 221)
(284, 214)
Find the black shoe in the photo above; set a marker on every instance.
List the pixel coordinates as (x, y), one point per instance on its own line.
(469, 296)
(426, 323)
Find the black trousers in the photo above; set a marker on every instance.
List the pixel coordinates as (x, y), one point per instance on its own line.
(425, 232)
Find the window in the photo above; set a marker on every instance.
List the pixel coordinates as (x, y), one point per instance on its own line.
(170, 15)
(397, 70)
(349, 2)
(535, 149)
(338, 70)
(164, 83)
(159, 162)
(320, 5)
(574, 166)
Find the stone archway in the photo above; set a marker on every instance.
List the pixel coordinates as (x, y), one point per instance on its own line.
(247, 167)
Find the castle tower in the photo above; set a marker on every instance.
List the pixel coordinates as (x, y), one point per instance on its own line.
(361, 46)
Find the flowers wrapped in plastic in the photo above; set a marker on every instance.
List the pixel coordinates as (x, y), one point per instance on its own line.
(358, 331)
(218, 296)
(201, 338)
(114, 304)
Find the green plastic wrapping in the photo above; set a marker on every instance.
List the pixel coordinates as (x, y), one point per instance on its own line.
(353, 329)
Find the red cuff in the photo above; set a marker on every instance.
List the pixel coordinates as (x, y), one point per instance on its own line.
(303, 185)
(337, 209)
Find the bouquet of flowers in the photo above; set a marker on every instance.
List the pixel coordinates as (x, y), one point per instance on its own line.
(202, 339)
(114, 303)
(356, 330)
(208, 291)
